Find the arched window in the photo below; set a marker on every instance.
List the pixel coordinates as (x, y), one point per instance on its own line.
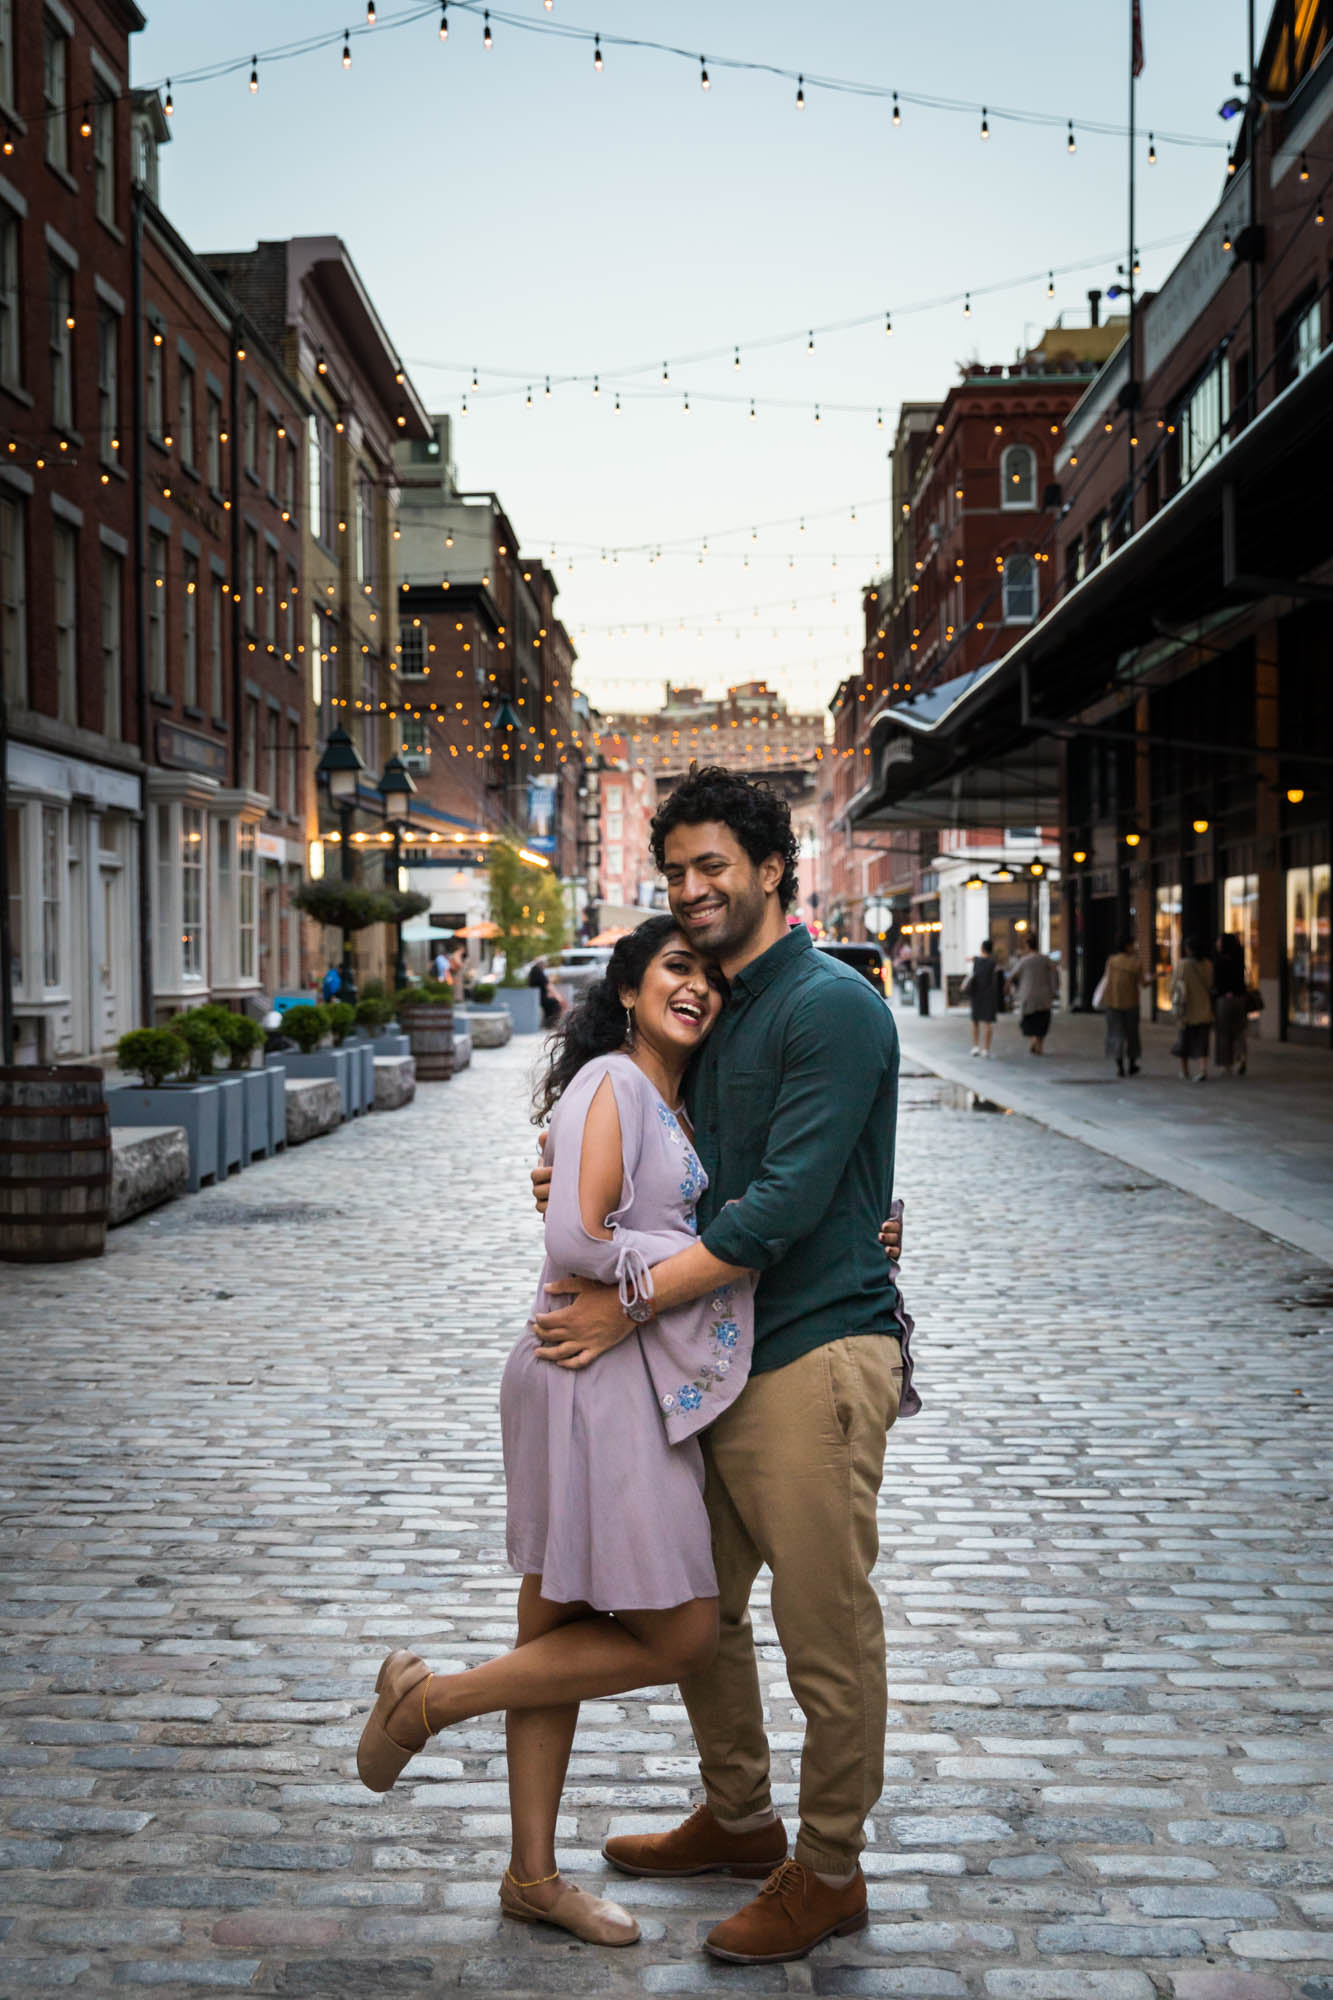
(1018, 477)
(1020, 590)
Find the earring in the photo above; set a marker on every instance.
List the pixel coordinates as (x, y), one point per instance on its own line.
(629, 1027)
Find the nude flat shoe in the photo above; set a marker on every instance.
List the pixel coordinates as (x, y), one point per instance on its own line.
(588, 1917)
(380, 1761)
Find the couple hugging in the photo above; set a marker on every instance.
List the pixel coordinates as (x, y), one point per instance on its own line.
(713, 1398)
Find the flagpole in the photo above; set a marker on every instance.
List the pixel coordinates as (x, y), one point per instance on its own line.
(1131, 398)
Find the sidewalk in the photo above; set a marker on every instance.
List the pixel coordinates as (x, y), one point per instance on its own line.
(1259, 1146)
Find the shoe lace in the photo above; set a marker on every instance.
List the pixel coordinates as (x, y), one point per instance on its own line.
(787, 1876)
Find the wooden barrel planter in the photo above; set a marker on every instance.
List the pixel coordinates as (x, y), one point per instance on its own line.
(430, 1033)
(55, 1165)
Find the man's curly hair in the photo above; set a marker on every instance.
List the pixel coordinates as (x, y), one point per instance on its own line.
(757, 815)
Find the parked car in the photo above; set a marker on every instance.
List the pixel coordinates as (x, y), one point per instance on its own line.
(578, 967)
(866, 959)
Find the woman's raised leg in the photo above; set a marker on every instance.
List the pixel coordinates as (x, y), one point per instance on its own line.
(538, 1742)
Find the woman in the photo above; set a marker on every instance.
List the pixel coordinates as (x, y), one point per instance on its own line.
(1192, 1005)
(606, 1520)
(985, 989)
(1120, 984)
(1229, 1003)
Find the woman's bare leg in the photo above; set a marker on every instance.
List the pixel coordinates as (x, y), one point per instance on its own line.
(538, 1742)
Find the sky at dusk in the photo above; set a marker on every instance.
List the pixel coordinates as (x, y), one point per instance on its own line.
(518, 214)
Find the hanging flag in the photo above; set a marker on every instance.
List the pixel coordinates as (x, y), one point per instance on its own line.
(1137, 58)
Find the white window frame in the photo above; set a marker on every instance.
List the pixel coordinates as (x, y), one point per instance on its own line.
(113, 649)
(11, 327)
(1018, 495)
(14, 595)
(55, 92)
(413, 644)
(193, 860)
(247, 901)
(320, 470)
(65, 616)
(1016, 611)
(54, 871)
(1306, 340)
(1204, 417)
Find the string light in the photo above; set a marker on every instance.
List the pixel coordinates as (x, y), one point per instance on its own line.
(597, 53)
(967, 305)
(737, 361)
(1050, 284)
(444, 21)
(169, 106)
(487, 38)
(1304, 169)
(752, 409)
(897, 114)
(703, 74)
(370, 13)
(347, 51)
(985, 124)
(1319, 212)
(254, 74)
(1071, 143)
(800, 93)
(888, 326)
(1152, 151)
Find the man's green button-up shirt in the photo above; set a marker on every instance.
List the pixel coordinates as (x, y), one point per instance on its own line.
(794, 1102)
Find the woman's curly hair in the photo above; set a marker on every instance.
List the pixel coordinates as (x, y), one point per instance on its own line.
(595, 1025)
(755, 813)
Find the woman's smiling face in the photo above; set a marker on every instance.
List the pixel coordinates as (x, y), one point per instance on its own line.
(678, 999)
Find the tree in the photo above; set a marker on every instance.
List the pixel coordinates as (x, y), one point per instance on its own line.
(528, 906)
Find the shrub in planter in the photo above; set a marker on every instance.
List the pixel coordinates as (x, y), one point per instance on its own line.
(152, 1054)
(239, 1035)
(374, 989)
(342, 1020)
(202, 1042)
(373, 1011)
(483, 993)
(307, 1026)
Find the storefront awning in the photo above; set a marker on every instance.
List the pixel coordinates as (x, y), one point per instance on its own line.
(1255, 524)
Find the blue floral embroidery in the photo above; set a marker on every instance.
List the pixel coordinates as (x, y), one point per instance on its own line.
(726, 1333)
(689, 1397)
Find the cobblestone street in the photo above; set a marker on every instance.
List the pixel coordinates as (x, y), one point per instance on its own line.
(257, 1446)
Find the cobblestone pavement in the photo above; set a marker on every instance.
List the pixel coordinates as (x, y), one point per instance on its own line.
(257, 1445)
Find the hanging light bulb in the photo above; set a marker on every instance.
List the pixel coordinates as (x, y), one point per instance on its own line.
(879, 420)
(967, 305)
(463, 412)
(1071, 143)
(487, 38)
(444, 21)
(818, 418)
(474, 377)
(254, 74)
(617, 402)
(752, 409)
(597, 53)
(1050, 284)
(596, 385)
(800, 93)
(347, 51)
(687, 403)
(1319, 212)
(666, 377)
(548, 386)
(370, 13)
(897, 114)
(737, 361)
(169, 106)
(529, 395)
(1152, 150)
(1304, 169)
(703, 74)
(985, 124)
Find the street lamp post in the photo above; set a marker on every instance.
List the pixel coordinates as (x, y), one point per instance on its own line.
(340, 770)
(396, 790)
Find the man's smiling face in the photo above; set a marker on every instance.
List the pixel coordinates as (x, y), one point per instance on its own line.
(717, 894)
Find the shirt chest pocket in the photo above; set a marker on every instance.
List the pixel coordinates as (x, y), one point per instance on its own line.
(749, 1102)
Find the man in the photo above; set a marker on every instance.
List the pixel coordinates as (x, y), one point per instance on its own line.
(985, 990)
(550, 1006)
(794, 1104)
(1036, 984)
(440, 966)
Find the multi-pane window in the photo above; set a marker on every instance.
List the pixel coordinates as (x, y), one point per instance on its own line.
(55, 92)
(216, 627)
(1020, 590)
(13, 598)
(1304, 340)
(62, 344)
(11, 362)
(192, 892)
(250, 580)
(289, 618)
(246, 898)
(289, 482)
(108, 385)
(1204, 418)
(1018, 477)
(113, 574)
(271, 596)
(157, 612)
(271, 756)
(213, 467)
(185, 413)
(321, 478)
(416, 748)
(412, 641)
(363, 529)
(271, 459)
(190, 631)
(53, 882)
(154, 399)
(64, 566)
(250, 432)
(7, 51)
(104, 154)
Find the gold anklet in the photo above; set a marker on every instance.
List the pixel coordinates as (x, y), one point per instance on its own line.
(424, 1717)
(537, 1882)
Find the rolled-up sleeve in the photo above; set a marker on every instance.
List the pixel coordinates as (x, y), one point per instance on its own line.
(839, 1046)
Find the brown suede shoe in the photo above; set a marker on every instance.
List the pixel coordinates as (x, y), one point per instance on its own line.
(793, 1912)
(699, 1847)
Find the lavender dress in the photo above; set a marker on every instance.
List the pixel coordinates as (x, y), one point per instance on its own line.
(602, 1464)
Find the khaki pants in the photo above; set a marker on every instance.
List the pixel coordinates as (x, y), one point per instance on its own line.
(794, 1470)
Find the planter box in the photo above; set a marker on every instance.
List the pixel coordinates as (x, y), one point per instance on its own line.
(256, 1105)
(363, 1055)
(231, 1123)
(391, 1043)
(276, 1077)
(523, 1005)
(336, 1063)
(195, 1107)
(150, 1164)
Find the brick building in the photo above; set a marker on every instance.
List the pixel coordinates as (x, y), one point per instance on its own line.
(73, 764)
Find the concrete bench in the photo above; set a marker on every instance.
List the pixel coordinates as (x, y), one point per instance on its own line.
(490, 1030)
(462, 1042)
(150, 1164)
(395, 1082)
(314, 1106)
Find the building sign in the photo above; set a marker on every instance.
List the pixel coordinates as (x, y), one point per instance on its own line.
(899, 751)
(541, 812)
(181, 750)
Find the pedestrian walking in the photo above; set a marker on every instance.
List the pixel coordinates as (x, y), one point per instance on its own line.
(550, 1006)
(984, 988)
(1036, 983)
(457, 967)
(330, 986)
(1118, 993)
(1230, 1004)
(1192, 1006)
(439, 965)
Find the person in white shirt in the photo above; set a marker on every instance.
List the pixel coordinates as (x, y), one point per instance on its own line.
(1036, 983)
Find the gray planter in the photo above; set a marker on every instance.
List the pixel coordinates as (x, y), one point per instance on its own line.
(391, 1043)
(195, 1107)
(523, 1004)
(231, 1123)
(363, 1054)
(337, 1063)
(257, 1135)
(276, 1077)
